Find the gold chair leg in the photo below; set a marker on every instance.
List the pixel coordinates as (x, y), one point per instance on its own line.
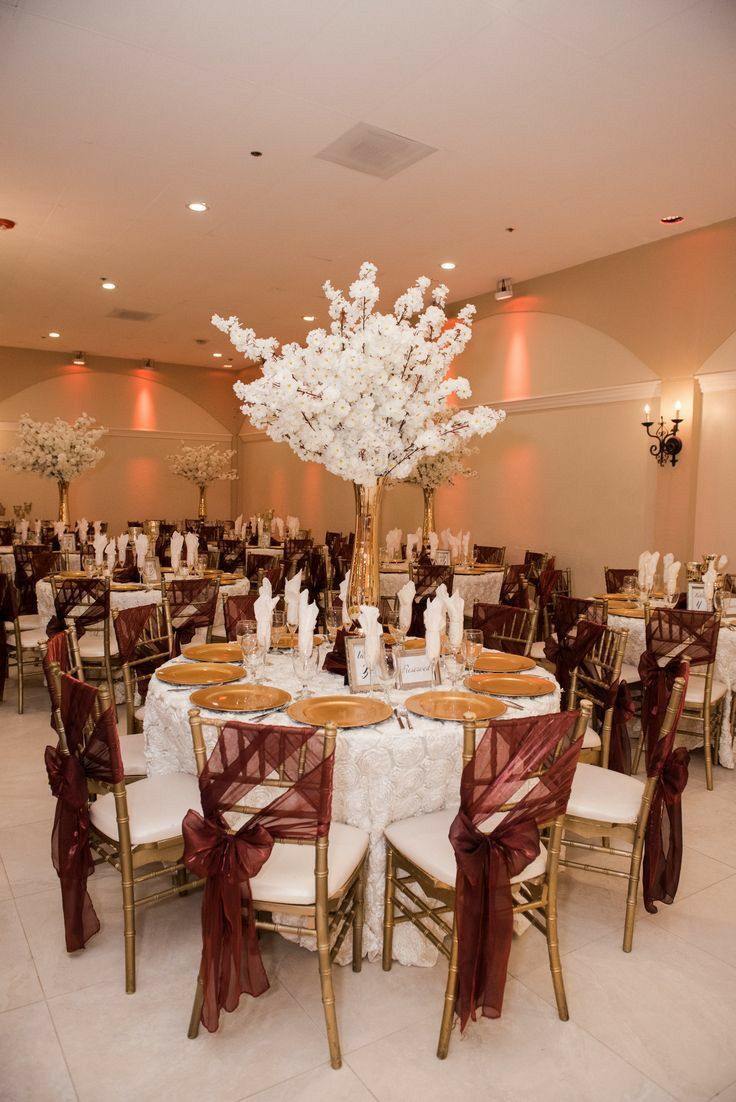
(358, 915)
(708, 751)
(128, 920)
(19, 670)
(328, 990)
(553, 943)
(448, 1009)
(193, 1030)
(633, 889)
(388, 911)
(637, 754)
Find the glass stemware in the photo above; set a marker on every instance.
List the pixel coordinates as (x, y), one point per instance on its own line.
(472, 647)
(278, 623)
(305, 669)
(386, 674)
(453, 666)
(332, 623)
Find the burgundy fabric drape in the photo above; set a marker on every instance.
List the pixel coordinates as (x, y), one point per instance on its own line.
(98, 758)
(568, 610)
(615, 578)
(57, 652)
(192, 604)
(488, 555)
(237, 608)
(130, 624)
(243, 757)
(7, 615)
(133, 631)
(568, 651)
(427, 580)
(84, 600)
(619, 754)
(514, 590)
(336, 660)
(496, 621)
(508, 755)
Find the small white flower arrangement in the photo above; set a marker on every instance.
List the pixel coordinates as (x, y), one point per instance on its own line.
(368, 398)
(56, 449)
(203, 464)
(443, 469)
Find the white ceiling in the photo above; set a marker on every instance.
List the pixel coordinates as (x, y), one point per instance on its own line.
(578, 122)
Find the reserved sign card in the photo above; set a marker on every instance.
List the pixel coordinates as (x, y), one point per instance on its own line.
(414, 670)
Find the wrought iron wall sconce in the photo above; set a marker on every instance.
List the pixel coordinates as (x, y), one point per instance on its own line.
(668, 445)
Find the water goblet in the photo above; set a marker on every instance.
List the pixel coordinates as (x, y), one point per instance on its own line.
(278, 623)
(452, 667)
(202, 561)
(305, 669)
(472, 647)
(333, 617)
(386, 674)
(630, 586)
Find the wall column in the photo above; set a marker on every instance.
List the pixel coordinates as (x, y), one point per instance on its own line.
(676, 492)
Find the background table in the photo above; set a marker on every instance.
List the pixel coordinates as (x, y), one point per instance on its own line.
(382, 774)
(725, 670)
(485, 587)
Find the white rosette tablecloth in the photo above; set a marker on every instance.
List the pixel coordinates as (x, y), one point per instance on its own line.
(725, 670)
(382, 774)
(7, 561)
(485, 587)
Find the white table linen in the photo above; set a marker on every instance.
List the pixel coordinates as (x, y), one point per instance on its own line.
(382, 774)
(485, 587)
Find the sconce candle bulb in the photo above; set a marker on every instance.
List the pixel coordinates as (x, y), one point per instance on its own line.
(667, 445)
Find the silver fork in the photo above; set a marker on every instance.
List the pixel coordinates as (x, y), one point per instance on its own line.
(403, 712)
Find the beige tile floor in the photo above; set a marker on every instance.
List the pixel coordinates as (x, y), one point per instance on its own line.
(655, 1025)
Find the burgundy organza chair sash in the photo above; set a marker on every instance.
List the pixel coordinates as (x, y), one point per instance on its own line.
(84, 600)
(427, 580)
(570, 650)
(495, 621)
(192, 605)
(57, 652)
(243, 757)
(619, 753)
(507, 756)
(237, 608)
(130, 626)
(97, 758)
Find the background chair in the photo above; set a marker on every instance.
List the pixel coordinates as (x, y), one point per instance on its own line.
(189, 606)
(505, 628)
(489, 555)
(427, 579)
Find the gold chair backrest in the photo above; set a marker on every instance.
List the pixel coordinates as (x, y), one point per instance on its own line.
(594, 678)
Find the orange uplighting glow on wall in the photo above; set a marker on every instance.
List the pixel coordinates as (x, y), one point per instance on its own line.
(516, 368)
(144, 408)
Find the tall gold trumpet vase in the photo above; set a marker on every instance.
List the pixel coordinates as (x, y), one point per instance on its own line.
(365, 583)
(63, 501)
(202, 501)
(428, 522)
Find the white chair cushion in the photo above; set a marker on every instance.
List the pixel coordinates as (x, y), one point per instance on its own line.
(132, 751)
(696, 690)
(537, 651)
(156, 806)
(288, 875)
(603, 794)
(28, 621)
(92, 645)
(140, 712)
(630, 674)
(425, 841)
(591, 739)
(29, 640)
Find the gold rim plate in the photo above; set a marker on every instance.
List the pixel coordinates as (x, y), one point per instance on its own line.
(126, 587)
(286, 641)
(414, 644)
(213, 652)
(343, 711)
(198, 673)
(631, 613)
(512, 684)
(498, 661)
(240, 698)
(453, 705)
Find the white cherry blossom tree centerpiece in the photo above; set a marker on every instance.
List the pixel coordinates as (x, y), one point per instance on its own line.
(202, 464)
(440, 470)
(57, 449)
(367, 398)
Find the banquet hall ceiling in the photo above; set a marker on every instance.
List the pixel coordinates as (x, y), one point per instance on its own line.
(577, 122)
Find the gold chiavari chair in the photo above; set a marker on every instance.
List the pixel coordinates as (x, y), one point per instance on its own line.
(319, 880)
(189, 604)
(421, 872)
(505, 627)
(614, 577)
(491, 556)
(135, 827)
(23, 646)
(609, 805)
(593, 680)
(85, 602)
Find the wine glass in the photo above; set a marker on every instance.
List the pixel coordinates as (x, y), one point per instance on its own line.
(305, 668)
(333, 617)
(202, 561)
(630, 586)
(278, 623)
(452, 667)
(292, 618)
(386, 673)
(472, 647)
(390, 621)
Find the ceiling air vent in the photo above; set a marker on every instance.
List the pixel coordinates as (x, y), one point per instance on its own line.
(374, 151)
(132, 315)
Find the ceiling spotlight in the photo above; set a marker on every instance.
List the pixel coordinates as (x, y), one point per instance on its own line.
(79, 359)
(107, 284)
(672, 219)
(448, 265)
(148, 364)
(308, 317)
(217, 355)
(54, 334)
(198, 206)
(504, 290)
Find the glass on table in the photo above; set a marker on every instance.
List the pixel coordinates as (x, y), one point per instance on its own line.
(630, 586)
(453, 667)
(202, 562)
(333, 616)
(278, 623)
(472, 647)
(305, 668)
(386, 674)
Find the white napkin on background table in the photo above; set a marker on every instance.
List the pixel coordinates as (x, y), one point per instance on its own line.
(455, 608)
(110, 554)
(709, 579)
(177, 543)
(466, 546)
(393, 542)
(59, 528)
(141, 550)
(406, 597)
(373, 632)
(670, 571)
(291, 597)
(434, 542)
(237, 526)
(24, 530)
(192, 544)
(82, 529)
(722, 563)
(123, 548)
(37, 528)
(445, 539)
(292, 527)
(99, 543)
(344, 599)
(434, 616)
(279, 522)
(263, 608)
(97, 527)
(307, 619)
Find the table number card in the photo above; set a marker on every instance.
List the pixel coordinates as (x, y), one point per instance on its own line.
(359, 675)
(696, 599)
(414, 670)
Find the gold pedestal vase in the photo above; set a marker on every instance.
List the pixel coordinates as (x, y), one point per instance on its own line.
(63, 501)
(365, 583)
(428, 521)
(202, 501)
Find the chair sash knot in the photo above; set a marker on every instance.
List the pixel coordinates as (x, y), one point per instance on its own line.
(619, 698)
(663, 841)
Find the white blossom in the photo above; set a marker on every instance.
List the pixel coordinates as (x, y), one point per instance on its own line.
(369, 397)
(202, 464)
(442, 469)
(56, 449)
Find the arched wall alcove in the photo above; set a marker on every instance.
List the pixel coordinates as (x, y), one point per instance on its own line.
(715, 526)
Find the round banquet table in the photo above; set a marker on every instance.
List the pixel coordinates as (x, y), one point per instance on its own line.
(7, 560)
(725, 670)
(473, 587)
(382, 774)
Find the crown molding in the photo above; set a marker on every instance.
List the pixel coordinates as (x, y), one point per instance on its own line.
(601, 396)
(155, 434)
(715, 381)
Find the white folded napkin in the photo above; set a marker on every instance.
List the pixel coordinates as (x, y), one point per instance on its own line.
(82, 529)
(721, 564)
(192, 544)
(123, 548)
(466, 545)
(97, 527)
(263, 611)
(671, 570)
(59, 528)
(455, 608)
(434, 542)
(344, 599)
(280, 529)
(24, 530)
(443, 596)
(253, 523)
(292, 527)
(373, 632)
(652, 567)
(99, 543)
(456, 545)
(393, 543)
(643, 565)
(37, 528)
(141, 550)
(237, 527)
(177, 543)
(445, 539)
(412, 541)
(307, 619)
(667, 560)
(434, 615)
(709, 580)
(406, 597)
(291, 597)
(110, 554)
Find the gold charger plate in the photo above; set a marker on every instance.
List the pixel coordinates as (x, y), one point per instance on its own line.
(213, 652)
(500, 662)
(240, 698)
(414, 644)
(201, 673)
(454, 705)
(343, 711)
(286, 641)
(630, 611)
(126, 587)
(513, 684)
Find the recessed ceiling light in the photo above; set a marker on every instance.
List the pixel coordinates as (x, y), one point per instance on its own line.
(54, 334)
(672, 219)
(198, 206)
(308, 317)
(448, 265)
(79, 359)
(108, 285)
(217, 355)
